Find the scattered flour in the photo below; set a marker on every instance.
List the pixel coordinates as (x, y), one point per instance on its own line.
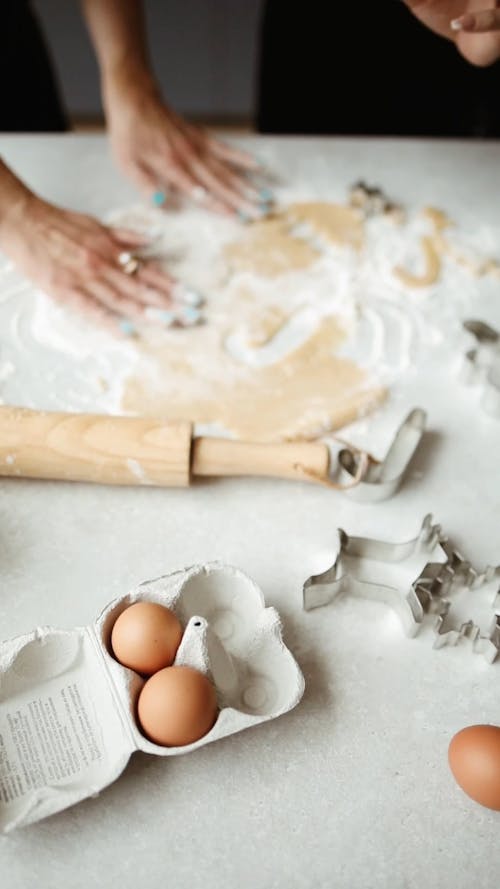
(256, 324)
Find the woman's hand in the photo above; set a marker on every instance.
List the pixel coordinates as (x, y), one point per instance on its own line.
(79, 262)
(160, 152)
(473, 26)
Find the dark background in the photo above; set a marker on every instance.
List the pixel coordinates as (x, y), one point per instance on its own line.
(218, 37)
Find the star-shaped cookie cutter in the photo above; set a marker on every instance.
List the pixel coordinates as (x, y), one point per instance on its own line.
(363, 568)
(481, 365)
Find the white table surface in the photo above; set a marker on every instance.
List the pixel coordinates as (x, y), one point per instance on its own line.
(352, 788)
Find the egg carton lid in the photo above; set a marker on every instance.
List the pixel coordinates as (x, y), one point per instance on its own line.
(67, 707)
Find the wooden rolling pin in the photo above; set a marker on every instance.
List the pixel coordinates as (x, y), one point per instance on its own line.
(140, 451)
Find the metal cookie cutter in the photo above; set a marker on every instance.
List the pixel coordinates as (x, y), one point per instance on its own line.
(382, 479)
(363, 567)
(450, 632)
(481, 365)
(372, 201)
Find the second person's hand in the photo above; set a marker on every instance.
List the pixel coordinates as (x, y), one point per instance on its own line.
(473, 26)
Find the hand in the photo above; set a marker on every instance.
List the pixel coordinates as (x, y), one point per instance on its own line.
(474, 29)
(160, 151)
(76, 260)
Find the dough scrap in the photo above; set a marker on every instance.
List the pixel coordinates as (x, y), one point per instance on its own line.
(478, 267)
(439, 219)
(432, 260)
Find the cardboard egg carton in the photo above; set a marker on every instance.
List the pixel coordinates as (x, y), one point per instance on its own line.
(67, 707)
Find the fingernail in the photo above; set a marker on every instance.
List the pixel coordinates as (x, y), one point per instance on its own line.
(163, 316)
(266, 196)
(127, 327)
(186, 295)
(159, 198)
(194, 299)
(242, 216)
(464, 23)
(189, 316)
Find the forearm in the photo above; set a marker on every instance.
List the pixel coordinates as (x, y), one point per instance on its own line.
(118, 32)
(14, 197)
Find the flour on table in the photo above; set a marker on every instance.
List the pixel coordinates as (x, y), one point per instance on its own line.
(308, 321)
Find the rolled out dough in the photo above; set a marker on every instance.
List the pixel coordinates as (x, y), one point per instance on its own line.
(311, 391)
(337, 224)
(267, 248)
(271, 247)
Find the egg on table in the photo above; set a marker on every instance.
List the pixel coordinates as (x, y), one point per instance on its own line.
(474, 758)
(145, 637)
(177, 706)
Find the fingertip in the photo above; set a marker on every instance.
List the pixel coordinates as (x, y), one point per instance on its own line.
(159, 198)
(465, 22)
(189, 316)
(127, 328)
(188, 296)
(266, 195)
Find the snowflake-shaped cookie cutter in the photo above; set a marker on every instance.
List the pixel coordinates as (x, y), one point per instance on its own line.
(481, 365)
(448, 631)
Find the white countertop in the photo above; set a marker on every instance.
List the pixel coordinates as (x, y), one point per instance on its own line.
(351, 789)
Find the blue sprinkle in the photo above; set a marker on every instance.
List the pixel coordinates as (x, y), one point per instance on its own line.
(127, 327)
(159, 198)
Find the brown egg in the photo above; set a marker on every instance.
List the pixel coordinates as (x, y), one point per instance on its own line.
(145, 637)
(177, 706)
(474, 757)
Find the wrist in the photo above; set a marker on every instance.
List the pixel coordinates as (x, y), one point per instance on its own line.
(16, 203)
(128, 81)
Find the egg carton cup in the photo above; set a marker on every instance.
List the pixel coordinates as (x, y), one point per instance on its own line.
(68, 709)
